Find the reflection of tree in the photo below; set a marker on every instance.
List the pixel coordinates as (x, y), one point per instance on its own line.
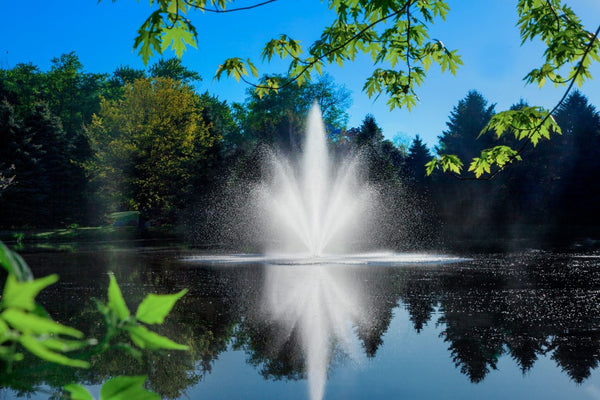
(271, 348)
(381, 293)
(526, 306)
(420, 296)
(577, 353)
(475, 346)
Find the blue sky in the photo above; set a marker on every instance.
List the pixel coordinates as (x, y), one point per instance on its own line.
(484, 31)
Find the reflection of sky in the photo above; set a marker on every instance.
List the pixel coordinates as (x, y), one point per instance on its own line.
(407, 366)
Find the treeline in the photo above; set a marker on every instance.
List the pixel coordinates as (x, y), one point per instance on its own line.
(76, 146)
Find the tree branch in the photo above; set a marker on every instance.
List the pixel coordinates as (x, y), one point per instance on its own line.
(220, 11)
(340, 46)
(549, 115)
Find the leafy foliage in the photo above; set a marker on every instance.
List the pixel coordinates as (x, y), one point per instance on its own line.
(147, 145)
(391, 33)
(395, 35)
(24, 322)
(152, 310)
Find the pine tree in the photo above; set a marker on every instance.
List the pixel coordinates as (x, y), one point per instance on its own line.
(418, 156)
(467, 119)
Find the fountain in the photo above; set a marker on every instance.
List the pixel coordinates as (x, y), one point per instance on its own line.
(311, 206)
(316, 210)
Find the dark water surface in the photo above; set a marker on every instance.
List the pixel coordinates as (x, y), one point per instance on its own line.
(518, 326)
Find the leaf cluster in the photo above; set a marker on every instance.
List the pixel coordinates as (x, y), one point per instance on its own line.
(25, 323)
(394, 34)
(527, 124)
(570, 48)
(152, 310)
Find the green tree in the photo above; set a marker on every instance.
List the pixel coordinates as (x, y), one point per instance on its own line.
(369, 133)
(147, 146)
(466, 121)
(277, 119)
(37, 147)
(418, 156)
(70, 96)
(172, 68)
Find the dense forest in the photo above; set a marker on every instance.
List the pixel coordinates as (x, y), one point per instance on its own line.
(77, 146)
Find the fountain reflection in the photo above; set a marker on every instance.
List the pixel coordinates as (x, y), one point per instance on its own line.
(319, 305)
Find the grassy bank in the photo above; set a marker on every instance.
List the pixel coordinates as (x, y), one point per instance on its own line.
(55, 238)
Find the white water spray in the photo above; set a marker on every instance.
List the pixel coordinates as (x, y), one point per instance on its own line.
(312, 206)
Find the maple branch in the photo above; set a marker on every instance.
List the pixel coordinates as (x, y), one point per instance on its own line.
(331, 51)
(222, 11)
(541, 123)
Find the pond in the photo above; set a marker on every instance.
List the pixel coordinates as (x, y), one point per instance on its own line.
(493, 326)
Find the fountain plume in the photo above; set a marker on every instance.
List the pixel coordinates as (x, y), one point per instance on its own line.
(313, 205)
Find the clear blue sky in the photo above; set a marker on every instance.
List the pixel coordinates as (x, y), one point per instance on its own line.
(484, 31)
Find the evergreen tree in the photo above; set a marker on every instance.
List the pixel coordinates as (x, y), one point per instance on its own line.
(467, 119)
(418, 156)
(577, 161)
(369, 133)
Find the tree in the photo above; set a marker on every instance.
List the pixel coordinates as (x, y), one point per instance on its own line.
(147, 146)
(172, 68)
(36, 147)
(466, 121)
(395, 34)
(369, 132)
(277, 119)
(418, 156)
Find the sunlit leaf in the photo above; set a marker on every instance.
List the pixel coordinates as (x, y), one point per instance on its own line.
(35, 347)
(115, 299)
(177, 38)
(127, 388)
(78, 392)
(29, 323)
(21, 295)
(146, 339)
(155, 307)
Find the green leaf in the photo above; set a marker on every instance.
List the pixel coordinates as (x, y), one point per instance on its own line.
(115, 299)
(7, 354)
(451, 162)
(147, 339)
(155, 307)
(14, 264)
(77, 392)
(64, 345)
(177, 37)
(126, 388)
(149, 35)
(22, 295)
(252, 68)
(29, 323)
(431, 166)
(36, 348)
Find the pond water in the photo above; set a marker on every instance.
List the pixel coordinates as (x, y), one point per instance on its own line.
(497, 326)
